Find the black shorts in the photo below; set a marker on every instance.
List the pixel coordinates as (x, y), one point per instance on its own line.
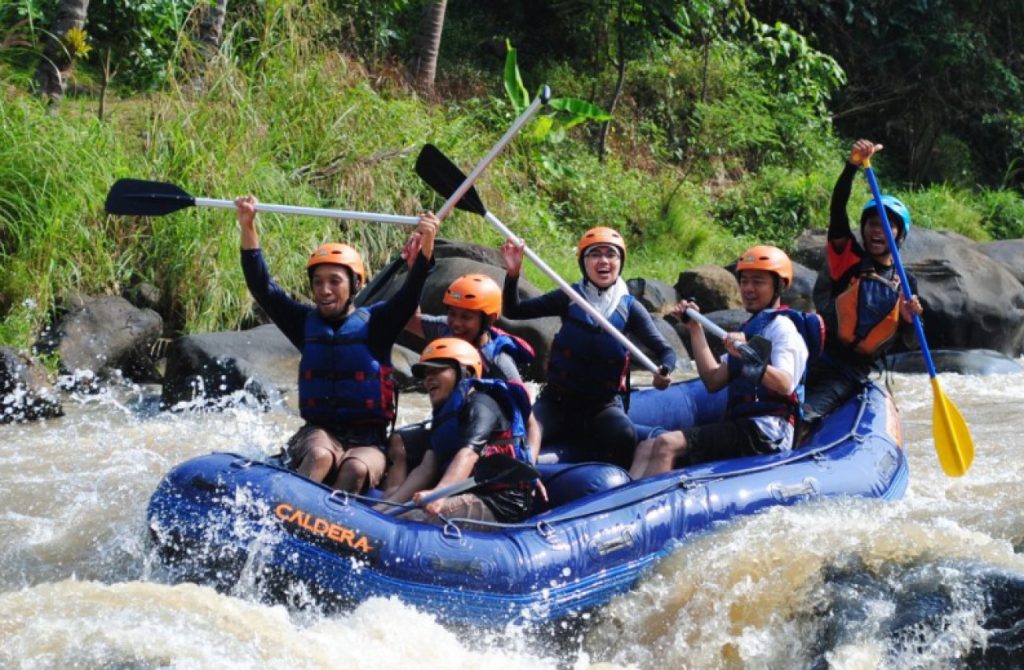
(724, 440)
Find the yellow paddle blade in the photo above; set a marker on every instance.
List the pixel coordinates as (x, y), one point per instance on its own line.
(953, 442)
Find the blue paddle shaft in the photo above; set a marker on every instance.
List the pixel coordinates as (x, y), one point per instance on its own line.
(904, 283)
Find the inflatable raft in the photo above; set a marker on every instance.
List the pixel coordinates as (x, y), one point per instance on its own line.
(217, 515)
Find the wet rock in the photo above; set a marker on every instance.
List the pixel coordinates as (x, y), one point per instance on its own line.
(714, 288)
(207, 368)
(970, 300)
(656, 296)
(809, 249)
(800, 293)
(100, 335)
(1008, 252)
(143, 295)
(25, 393)
(968, 362)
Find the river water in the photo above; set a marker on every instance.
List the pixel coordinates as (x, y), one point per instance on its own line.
(933, 581)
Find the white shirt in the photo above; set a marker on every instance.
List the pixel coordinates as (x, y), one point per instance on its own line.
(789, 354)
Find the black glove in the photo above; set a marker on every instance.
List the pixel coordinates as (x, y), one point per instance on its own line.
(757, 352)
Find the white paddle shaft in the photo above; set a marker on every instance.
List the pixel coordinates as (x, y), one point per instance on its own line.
(315, 211)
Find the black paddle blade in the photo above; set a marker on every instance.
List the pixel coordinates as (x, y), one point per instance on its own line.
(502, 468)
(445, 177)
(135, 197)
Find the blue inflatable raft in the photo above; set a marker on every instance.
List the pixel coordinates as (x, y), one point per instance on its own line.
(217, 515)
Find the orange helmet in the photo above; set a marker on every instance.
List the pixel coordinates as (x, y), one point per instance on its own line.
(339, 254)
(601, 235)
(476, 292)
(444, 351)
(768, 258)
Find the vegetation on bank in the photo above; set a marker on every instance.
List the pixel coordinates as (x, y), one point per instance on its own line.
(718, 140)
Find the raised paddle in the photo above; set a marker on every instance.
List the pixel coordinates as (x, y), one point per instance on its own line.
(136, 197)
(953, 442)
(381, 278)
(442, 175)
(493, 469)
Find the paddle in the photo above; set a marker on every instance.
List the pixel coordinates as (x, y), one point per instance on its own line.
(493, 469)
(381, 278)
(136, 197)
(953, 442)
(748, 352)
(442, 175)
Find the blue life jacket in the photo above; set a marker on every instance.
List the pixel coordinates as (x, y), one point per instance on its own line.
(513, 399)
(746, 400)
(340, 381)
(500, 342)
(586, 362)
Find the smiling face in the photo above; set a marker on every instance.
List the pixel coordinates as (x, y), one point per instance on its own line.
(757, 290)
(875, 243)
(465, 324)
(331, 290)
(440, 383)
(602, 264)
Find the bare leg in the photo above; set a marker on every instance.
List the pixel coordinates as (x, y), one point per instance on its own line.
(667, 448)
(320, 453)
(641, 458)
(361, 468)
(399, 468)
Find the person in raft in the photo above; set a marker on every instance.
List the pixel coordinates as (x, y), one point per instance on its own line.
(346, 393)
(866, 308)
(474, 305)
(763, 399)
(473, 417)
(581, 404)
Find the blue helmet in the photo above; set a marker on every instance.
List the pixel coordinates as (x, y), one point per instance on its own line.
(894, 208)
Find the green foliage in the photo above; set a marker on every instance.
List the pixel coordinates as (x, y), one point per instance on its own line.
(775, 205)
(141, 36)
(943, 207)
(371, 27)
(919, 71)
(551, 128)
(721, 139)
(1002, 214)
(548, 129)
(804, 75)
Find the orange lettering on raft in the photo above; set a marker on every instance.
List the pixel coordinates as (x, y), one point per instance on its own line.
(322, 527)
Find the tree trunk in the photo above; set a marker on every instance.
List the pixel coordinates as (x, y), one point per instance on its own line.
(620, 81)
(429, 41)
(211, 26)
(54, 66)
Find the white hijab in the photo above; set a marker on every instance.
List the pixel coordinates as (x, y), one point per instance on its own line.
(605, 300)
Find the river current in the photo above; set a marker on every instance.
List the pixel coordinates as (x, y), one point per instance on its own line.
(935, 580)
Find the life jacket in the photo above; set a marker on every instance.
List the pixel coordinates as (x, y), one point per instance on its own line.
(513, 399)
(747, 400)
(339, 379)
(501, 342)
(867, 312)
(586, 362)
